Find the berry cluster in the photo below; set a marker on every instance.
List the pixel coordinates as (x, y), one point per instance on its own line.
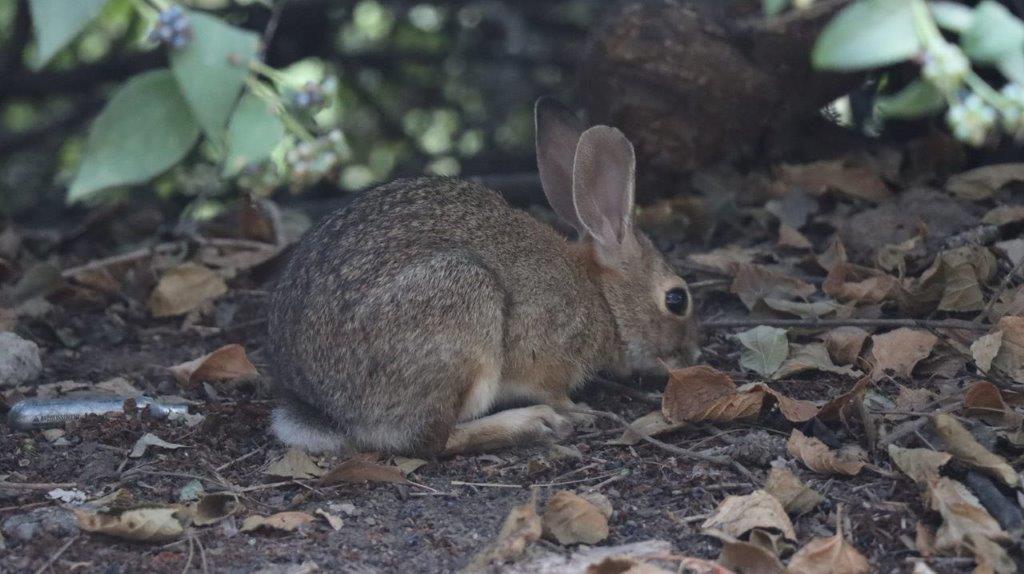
(310, 97)
(310, 162)
(971, 119)
(172, 28)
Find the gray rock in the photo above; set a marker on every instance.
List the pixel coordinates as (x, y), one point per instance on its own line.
(19, 360)
(54, 521)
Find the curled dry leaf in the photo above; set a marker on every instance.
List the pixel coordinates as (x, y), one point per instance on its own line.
(651, 424)
(410, 465)
(725, 259)
(228, 363)
(764, 349)
(1010, 358)
(954, 281)
(795, 496)
(845, 343)
(286, 521)
(185, 288)
(522, 527)
(819, 458)
(147, 440)
(985, 401)
(811, 357)
(148, 524)
(962, 516)
(363, 468)
(294, 464)
(961, 444)
(753, 283)
(790, 237)
(899, 351)
(980, 183)
(908, 399)
(571, 519)
(737, 515)
(213, 508)
(795, 410)
(832, 555)
(692, 391)
(334, 520)
(847, 282)
(1004, 215)
(920, 464)
(835, 175)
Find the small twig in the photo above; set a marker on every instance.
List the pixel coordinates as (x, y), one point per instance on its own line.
(56, 555)
(271, 29)
(830, 323)
(239, 459)
(36, 485)
(682, 452)
(625, 390)
(1003, 286)
(484, 484)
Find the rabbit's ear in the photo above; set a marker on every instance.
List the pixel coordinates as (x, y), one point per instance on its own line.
(558, 132)
(603, 182)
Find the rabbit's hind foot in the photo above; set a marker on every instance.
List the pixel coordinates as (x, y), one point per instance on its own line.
(539, 423)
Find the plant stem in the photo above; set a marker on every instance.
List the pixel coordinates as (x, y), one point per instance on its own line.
(269, 96)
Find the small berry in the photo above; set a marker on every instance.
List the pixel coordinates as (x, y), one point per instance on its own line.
(172, 28)
(310, 97)
(971, 120)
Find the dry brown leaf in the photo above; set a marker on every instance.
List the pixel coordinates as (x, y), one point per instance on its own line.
(753, 282)
(795, 496)
(990, 556)
(185, 288)
(790, 237)
(837, 407)
(845, 343)
(148, 524)
(1010, 358)
(410, 465)
(702, 393)
(954, 281)
(725, 259)
(832, 555)
(294, 464)
(980, 183)
(228, 363)
(962, 516)
(740, 556)
(147, 440)
(961, 444)
(802, 309)
(908, 399)
(651, 424)
(985, 401)
(363, 468)
(822, 176)
(920, 464)
(795, 410)
(1004, 214)
(571, 519)
(334, 520)
(213, 508)
(811, 357)
(286, 521)
(899, 351)
(852, 283)
(924, 540)
(737, 515)
(1012, 250)
(522, 527)
(819, 458)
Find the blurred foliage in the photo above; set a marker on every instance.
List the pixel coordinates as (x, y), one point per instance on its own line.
(345, 94)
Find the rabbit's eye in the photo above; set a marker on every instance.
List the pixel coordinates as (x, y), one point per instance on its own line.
(677, 300)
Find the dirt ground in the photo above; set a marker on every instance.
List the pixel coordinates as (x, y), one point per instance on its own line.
(450, 509)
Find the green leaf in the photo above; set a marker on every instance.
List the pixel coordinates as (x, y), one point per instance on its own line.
(917, 100)
(57, 22)
(211, 70)
(145, 129)
(774, 7)
(952, 16)
(994, 34)
(867, 34)
(253, 132)
(764, 349)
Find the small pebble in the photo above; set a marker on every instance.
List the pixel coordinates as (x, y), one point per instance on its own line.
(19, 360)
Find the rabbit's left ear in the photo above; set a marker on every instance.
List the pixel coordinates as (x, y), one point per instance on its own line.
(603, 183)
(558, 132)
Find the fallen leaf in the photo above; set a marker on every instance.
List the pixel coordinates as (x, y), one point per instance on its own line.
(752, 283)
(811, 357)
(893, 257)
(1011, 302)
(147, 440)
(819, 458)
(980, 183)
(990, 556)
(795, 410)
(985, 349)
(920, 464)
(119, 386)
(985, 401)
(294, 464)
(335, 521)
(845, 343)
(149, 524)
(822, 176)
(962, 516)
(736, 515)
(790, 237)
(1010, 358)
(832, 555)
(73, 496)
(651, 424)
(571, 519)
(961, 444)
(363, 468)
(522, 527)
(792, 209)
(185, 288)
(795, 496)
(924, 540)
(804, 310)
(623, 565)
(837, 407)
(228, 363)
(410, 465)
(847, 282)
(1004, 215)
(725, 259)
(899, 351)
(765, 349)
(213, 508)
(954, 281)
(286, 521)
(694, 391)
(1012, 250)
(740, 556)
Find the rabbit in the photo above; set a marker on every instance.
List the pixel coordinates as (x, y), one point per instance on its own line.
(405, 317)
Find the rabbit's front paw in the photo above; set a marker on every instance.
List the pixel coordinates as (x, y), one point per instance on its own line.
(544, 422)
